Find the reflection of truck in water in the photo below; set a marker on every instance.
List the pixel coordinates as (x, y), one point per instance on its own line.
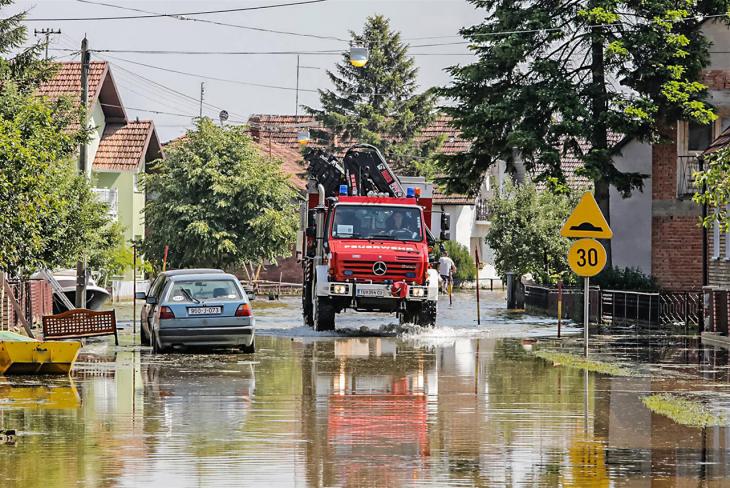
(366, 410)
(365, 241)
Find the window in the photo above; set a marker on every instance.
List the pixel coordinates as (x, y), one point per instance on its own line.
(377, 222)
(700, 136)
(200, 290)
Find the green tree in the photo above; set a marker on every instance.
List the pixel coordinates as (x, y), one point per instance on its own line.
(216, 200)
(716, 181)
(525, 232)
(48, 213)
(555, 76)
(378, 104)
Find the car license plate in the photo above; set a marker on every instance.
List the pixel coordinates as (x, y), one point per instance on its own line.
(205, 311)
(367, 292)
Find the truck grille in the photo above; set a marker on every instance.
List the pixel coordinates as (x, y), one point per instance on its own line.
(363, 269)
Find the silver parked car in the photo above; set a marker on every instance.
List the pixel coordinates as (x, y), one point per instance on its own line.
(196, 307)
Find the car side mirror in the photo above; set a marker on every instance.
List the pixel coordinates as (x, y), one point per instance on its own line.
(311, 231)
(140, 295)
(150, 300)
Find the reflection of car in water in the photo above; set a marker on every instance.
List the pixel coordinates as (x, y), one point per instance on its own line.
(205, 401)
(367, 410)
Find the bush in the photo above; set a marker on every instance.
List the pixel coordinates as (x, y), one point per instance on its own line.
(629, 279)
(466, 270)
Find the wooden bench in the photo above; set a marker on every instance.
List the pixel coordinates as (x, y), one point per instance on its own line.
(80, 322)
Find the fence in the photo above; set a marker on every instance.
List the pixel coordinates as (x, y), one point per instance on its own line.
(621, 308)
(35, 298)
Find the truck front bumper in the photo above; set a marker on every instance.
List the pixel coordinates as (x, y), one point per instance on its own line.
(373, 290)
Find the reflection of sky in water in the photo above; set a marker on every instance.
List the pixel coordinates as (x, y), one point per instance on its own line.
(458, 405)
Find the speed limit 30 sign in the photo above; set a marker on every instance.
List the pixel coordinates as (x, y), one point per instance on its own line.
(587, 257)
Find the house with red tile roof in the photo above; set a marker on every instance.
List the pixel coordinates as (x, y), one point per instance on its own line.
(119, 149)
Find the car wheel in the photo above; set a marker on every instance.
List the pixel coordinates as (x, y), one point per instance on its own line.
(249, 349)
(155, 344)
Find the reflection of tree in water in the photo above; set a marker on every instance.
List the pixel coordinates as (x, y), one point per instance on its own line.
(364, 411)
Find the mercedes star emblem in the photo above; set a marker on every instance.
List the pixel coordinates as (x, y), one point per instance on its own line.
(379, 268)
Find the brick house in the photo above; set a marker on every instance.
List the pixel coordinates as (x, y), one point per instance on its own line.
(718, 243)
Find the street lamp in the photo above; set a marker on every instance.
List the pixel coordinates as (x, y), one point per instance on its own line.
(303, 137)
(358, 56)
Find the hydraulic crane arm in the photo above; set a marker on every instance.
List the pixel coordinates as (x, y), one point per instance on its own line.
(364, 170)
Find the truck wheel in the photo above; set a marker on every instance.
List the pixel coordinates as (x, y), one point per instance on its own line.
(324, 315)
(408, 316)
(427, 315)
(307, 287)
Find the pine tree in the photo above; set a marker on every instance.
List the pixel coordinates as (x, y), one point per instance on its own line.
(553, 76)
(21, 65)
(378, 104)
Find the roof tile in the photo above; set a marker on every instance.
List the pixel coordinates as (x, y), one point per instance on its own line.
(67, 80)
(123, 146)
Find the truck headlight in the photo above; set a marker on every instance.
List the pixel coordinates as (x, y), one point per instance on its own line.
(418, 292)
(339, 289)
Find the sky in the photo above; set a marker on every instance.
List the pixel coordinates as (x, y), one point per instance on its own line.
(148, 89)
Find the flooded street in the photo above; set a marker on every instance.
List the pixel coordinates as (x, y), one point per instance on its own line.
(369, 405)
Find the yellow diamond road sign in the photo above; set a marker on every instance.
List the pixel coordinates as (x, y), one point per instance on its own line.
(587, 220)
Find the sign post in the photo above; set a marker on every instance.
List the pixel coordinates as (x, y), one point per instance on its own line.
(586, 257)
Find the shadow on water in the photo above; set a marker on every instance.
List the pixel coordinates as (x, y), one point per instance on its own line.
(458, 405)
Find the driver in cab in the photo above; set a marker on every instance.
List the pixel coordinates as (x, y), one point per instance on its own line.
(402, 225)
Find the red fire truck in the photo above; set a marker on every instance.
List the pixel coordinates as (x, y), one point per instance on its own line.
(365, 241)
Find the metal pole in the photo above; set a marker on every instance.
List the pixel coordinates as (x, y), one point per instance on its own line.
(296, 108)
(202, 96)
(560, 305)
(134, 290)
(586, 300)
(479, 313)
(81, 264)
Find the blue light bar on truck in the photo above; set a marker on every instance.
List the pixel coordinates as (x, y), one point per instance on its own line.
(343, 189)
(410, 192)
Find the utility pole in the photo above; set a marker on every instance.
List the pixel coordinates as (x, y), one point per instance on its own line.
(296, 109)
(202, 96)
(47, 33)
(81, 263)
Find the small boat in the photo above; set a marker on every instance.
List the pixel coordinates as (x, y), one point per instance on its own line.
(23, 355)
(96, 296)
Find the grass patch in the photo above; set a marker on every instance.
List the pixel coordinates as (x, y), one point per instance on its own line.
(572, 361)
(682, 410)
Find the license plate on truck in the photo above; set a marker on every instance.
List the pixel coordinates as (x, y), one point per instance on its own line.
(205, 311)
(366, 292)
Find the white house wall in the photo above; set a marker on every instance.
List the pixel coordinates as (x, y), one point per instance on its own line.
(631, 217)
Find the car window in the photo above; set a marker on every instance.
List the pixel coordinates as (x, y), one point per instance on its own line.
(160, 286)
(154, 286)
(188, 291)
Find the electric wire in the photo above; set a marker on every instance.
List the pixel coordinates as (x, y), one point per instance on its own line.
(214, 22)
(153, 16)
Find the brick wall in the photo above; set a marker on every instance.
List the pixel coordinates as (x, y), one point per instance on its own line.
(718, 269)
(676, 258)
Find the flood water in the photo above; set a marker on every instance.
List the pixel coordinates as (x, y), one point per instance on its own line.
(370, 405)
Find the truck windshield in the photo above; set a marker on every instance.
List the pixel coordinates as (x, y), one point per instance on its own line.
(377, 222)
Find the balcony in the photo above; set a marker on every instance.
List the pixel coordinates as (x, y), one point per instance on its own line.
(686, 168)
(110, 197)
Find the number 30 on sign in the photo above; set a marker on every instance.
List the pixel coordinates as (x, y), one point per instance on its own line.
(587, 257)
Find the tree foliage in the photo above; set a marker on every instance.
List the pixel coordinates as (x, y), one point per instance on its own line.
(716, 181)
(379, 104)
(49, 213)
(216, 200)
(525, 232)
(555, 77)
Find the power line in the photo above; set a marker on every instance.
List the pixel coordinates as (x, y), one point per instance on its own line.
(214, 22)
(208, 77)
(154, 16)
